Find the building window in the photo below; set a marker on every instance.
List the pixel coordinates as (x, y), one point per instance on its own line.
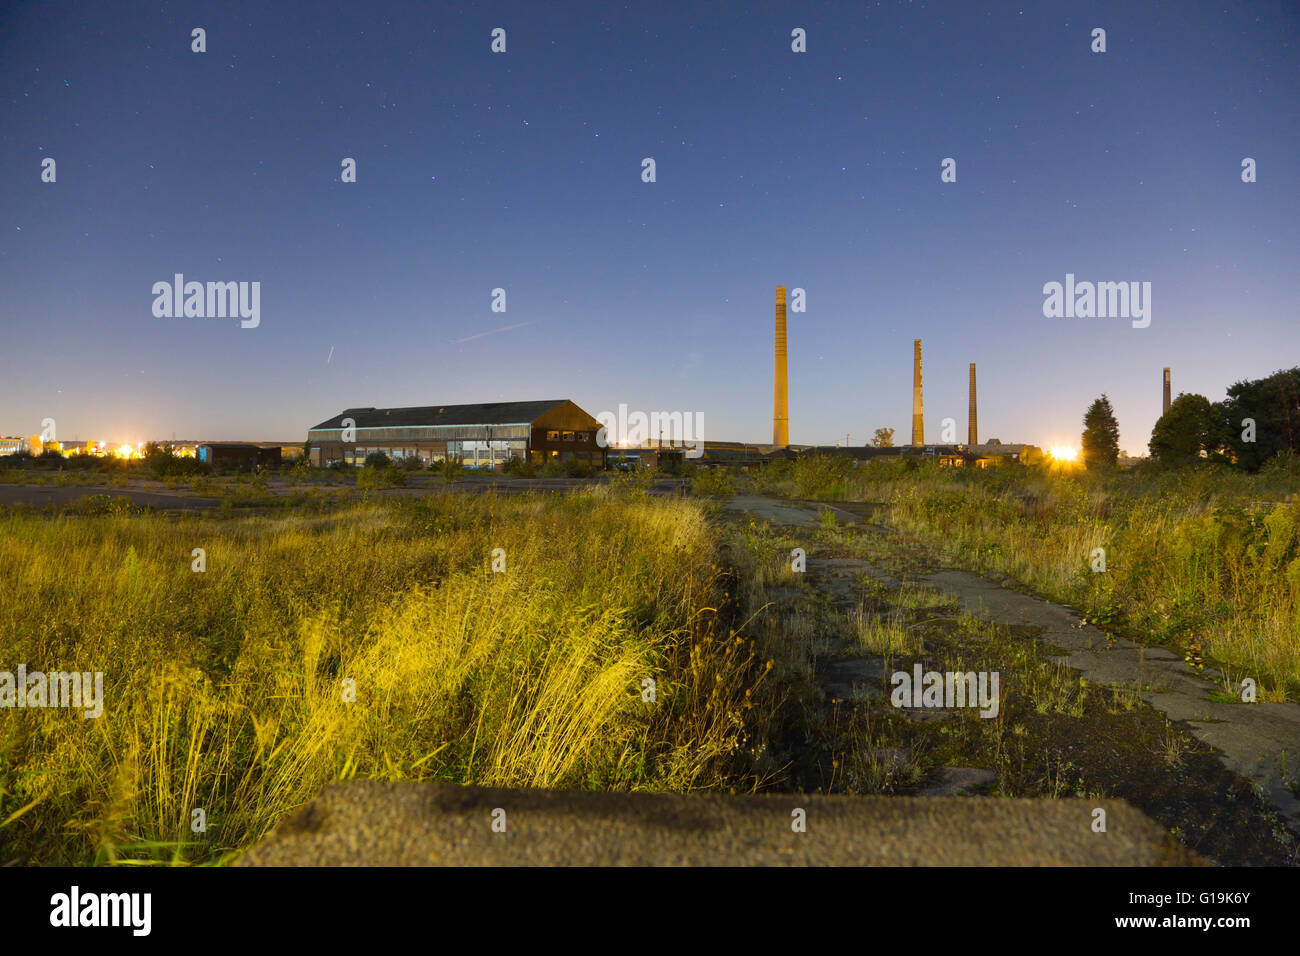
(552, 436)
(568, 436)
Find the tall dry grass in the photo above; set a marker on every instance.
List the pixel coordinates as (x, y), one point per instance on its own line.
(225, 690)
(1201, 558)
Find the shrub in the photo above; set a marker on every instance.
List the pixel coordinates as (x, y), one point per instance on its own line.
(573, 468)
(713, 481)
(821, 476)
(380, 476)
(519, 467)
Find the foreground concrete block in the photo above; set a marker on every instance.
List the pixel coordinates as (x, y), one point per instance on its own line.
(366, 823)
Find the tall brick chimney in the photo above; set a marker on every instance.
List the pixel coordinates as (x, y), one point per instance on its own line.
(972, 430)
(1166, 391)
(780, 406)
(918, 415)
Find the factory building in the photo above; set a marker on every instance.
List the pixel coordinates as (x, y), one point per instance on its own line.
(229, 454)
(482, 435)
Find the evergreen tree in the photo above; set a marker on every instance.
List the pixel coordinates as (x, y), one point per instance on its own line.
(1100, 435)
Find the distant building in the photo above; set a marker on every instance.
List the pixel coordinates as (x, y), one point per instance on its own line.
(228, 454)
(480, 435)
(995, 452)
(12, 446)
(980, 456)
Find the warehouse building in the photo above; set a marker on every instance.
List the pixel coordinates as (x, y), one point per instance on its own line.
(241, 455)
(480, 435)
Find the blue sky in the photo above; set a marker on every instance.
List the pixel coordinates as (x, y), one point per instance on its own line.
(522, 171)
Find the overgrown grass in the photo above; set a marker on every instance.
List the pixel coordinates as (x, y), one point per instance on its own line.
(227, 690)
(1192, 559)
(1205, 557)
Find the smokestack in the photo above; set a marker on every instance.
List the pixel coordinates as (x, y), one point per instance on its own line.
(1166, 390)
(918, 416)
(780, 407)
(973, 431)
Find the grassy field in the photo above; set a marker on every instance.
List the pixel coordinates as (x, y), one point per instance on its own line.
(1204, 560)
(225, 689)
(337, 633)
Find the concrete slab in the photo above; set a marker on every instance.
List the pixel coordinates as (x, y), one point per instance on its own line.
(369, 823)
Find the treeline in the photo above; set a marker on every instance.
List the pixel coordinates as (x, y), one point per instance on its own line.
(1258, 423)
(157, 460)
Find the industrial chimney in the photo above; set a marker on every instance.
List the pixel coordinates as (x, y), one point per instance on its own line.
(972, 436)
(918, 416)
(780, 407)
(1166, 391)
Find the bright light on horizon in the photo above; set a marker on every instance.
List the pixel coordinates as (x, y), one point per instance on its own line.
(1064, 453)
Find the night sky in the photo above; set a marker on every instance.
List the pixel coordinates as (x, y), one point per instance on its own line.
(522, 170)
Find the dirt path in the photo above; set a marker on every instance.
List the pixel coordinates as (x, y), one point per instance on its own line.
(1259, 742)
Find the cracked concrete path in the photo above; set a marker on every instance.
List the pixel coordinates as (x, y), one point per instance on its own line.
(800, 514)
(1260, 742)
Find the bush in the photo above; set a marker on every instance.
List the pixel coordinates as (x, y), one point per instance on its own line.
(451, 468)
(713, 481)
(376, 459)
(162, 462)
(573, 468)
(520, 468)
(380, 476)
(821, 476)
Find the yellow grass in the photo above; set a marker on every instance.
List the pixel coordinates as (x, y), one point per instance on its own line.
(225, 690)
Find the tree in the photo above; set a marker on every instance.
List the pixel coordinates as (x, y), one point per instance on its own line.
(1261, 419)
(1190, 427)
(1100, 435)
(884, 438)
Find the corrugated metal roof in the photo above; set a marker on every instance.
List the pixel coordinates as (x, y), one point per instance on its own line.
(486, 413)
